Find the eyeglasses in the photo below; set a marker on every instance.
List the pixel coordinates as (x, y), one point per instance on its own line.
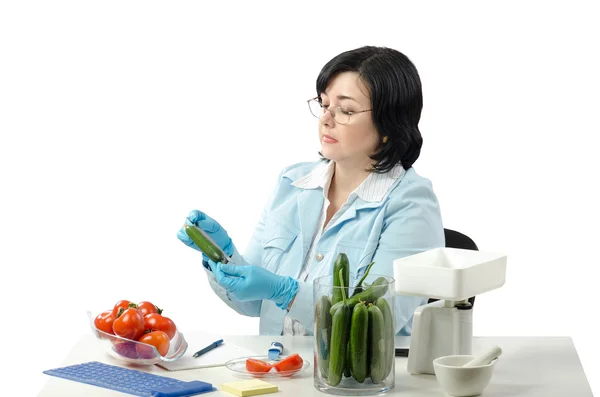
(339, 115)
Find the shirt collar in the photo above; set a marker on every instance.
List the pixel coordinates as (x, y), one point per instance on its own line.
(317, 177)
(373, 189)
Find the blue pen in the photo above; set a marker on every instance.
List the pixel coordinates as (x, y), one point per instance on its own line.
(208, 348)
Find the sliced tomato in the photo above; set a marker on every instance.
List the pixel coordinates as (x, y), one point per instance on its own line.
(290, 363)
(254, 365)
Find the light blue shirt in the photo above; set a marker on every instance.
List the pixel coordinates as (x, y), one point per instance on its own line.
(405, 221)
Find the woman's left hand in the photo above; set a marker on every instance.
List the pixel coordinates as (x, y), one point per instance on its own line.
(249, 282)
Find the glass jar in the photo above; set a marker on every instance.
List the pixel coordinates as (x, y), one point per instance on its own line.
(354, 341)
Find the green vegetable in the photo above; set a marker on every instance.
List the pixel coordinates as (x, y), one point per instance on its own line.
(347, 371)
(358, 288)
(376, 343)
(323, 328)
(341, 272)
(205, 244)
(388, 320)
(370, 295)
(339, 338)
(358, 342)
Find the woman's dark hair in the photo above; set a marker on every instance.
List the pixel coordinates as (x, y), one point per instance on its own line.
(396, 98)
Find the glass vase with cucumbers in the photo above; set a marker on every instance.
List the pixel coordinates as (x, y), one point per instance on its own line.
(353, 332)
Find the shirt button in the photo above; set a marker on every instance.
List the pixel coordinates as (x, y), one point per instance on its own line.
(319, 257)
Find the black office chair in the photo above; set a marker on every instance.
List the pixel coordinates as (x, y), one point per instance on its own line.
(455, 239)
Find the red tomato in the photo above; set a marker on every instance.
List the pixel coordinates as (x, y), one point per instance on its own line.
(254, 365)
(156, 322)
(290, 363)
(104, 322)
(130, 324)
(158, 339)
(124, 304)
(147, 308)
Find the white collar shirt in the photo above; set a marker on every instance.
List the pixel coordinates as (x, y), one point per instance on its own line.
(372, 189)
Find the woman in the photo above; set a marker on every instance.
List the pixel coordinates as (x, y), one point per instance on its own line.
(362, 198)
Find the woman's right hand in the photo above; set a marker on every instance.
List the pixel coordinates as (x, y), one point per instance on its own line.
(214, 230)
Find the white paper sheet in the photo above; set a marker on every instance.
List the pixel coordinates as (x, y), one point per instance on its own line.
(214, 358)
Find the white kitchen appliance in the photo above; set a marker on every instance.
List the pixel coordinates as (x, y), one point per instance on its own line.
(452, 276)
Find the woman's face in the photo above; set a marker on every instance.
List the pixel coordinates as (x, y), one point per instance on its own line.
(351, 143)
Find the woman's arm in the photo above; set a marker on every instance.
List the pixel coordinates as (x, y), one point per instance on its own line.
(412, 224)
(252, 256)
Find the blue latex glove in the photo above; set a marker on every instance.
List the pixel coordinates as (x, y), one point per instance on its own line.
(211, 227)
(249, 283)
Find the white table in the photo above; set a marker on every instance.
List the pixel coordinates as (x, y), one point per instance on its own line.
(529, 366)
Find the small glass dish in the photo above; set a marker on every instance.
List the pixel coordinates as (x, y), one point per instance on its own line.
(238, 367)
(138, 353)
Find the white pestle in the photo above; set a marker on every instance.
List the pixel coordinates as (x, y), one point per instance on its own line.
(485, 358)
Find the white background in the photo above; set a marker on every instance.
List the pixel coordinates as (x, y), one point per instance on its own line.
(118, 118)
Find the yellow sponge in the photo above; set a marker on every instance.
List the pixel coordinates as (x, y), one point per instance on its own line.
(252, 387)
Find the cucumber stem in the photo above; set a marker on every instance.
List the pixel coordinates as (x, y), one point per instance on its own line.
(364, 275)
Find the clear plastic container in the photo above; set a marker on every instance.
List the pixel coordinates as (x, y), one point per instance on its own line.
(377, 369)
(138, 353)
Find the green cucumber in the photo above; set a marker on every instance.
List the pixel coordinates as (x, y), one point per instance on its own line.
(358, 288)
(388, 320)
(206, 245)
(347, 371)
(358, 342)
(323, 334)
(341, 264)
(340, 332)
(376, 343)
(370, 295)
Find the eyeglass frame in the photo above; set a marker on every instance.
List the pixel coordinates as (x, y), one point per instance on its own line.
(334, 110)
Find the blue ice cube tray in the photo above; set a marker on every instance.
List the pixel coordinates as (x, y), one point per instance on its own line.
(130, 381)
